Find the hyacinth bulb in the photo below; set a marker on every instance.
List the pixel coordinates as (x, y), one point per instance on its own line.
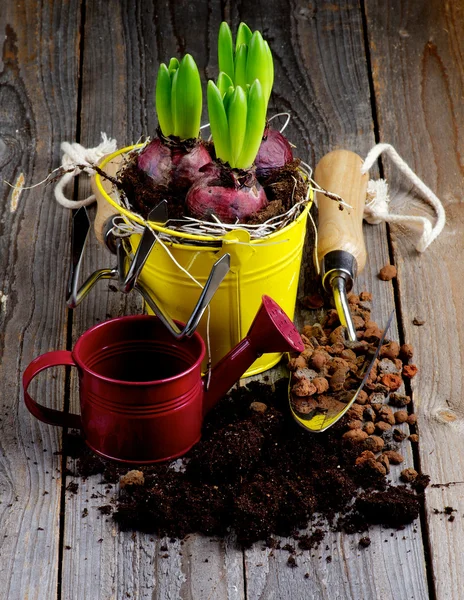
(172, 165)
(222, 192)
(274, 152)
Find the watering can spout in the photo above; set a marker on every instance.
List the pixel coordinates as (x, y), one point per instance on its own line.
(271, 331)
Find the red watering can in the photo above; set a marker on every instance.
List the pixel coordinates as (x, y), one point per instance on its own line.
(142, 396)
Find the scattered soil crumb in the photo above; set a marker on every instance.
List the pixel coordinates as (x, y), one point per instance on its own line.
(387, 273)
(291, 562)
(447, 511)
(107, 509)
(418, 322)
(313, 301)
(73, 487)
(133, 477)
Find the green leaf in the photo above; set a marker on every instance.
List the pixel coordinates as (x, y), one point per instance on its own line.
(226, 50)
(258, 63)
(241, 66)
(255, 124)
(228, 97)
(188, 99)
(224, 82)
(163, 100)
(174, 101)
(244, 34)
(218, 122)
(237, 117)
(270, 70)
(173, 64)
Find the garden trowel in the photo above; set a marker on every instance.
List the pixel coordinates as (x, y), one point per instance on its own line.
(341, 254)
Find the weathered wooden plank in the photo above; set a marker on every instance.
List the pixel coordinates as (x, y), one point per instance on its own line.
(118, 79)
(114, 564)
(419, 80)
(38, 89)
(322, 77)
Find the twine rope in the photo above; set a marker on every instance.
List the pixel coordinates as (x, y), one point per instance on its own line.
(377, 209)
(76, 160)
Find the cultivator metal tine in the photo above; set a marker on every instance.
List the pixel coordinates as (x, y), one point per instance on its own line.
(159, 215)
(219, 270)
(79, 235)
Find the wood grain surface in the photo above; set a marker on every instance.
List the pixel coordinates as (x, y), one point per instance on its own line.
(418, 77)
(350, 73)
(328, 39)
(38, 109)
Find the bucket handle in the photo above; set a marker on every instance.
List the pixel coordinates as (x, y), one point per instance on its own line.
(44, 414)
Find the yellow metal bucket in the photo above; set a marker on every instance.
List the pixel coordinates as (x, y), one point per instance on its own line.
(270, 266)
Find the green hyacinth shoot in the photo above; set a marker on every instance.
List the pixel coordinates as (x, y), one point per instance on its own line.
(250, 59)
(237, 118)
(178, 98)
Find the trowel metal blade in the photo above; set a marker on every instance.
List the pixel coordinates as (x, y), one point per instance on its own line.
(321, 417)
(338, 286)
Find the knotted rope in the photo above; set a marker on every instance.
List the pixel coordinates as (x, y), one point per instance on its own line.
(378, 202)
(76, 160)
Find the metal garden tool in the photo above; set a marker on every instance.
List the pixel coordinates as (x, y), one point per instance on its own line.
(79, 235)
(342, 255)
(328, 411)
(340, 249)
(129, 281)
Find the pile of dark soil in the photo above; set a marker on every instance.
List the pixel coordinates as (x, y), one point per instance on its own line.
(256, 472)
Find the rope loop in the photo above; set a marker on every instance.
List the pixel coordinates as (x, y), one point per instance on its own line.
(377, 209)
(76, 160)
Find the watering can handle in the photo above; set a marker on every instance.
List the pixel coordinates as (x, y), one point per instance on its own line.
(43, 413)
(339, 172)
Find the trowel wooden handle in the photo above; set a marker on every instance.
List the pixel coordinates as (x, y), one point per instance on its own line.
(104, 209)
(340, 172)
